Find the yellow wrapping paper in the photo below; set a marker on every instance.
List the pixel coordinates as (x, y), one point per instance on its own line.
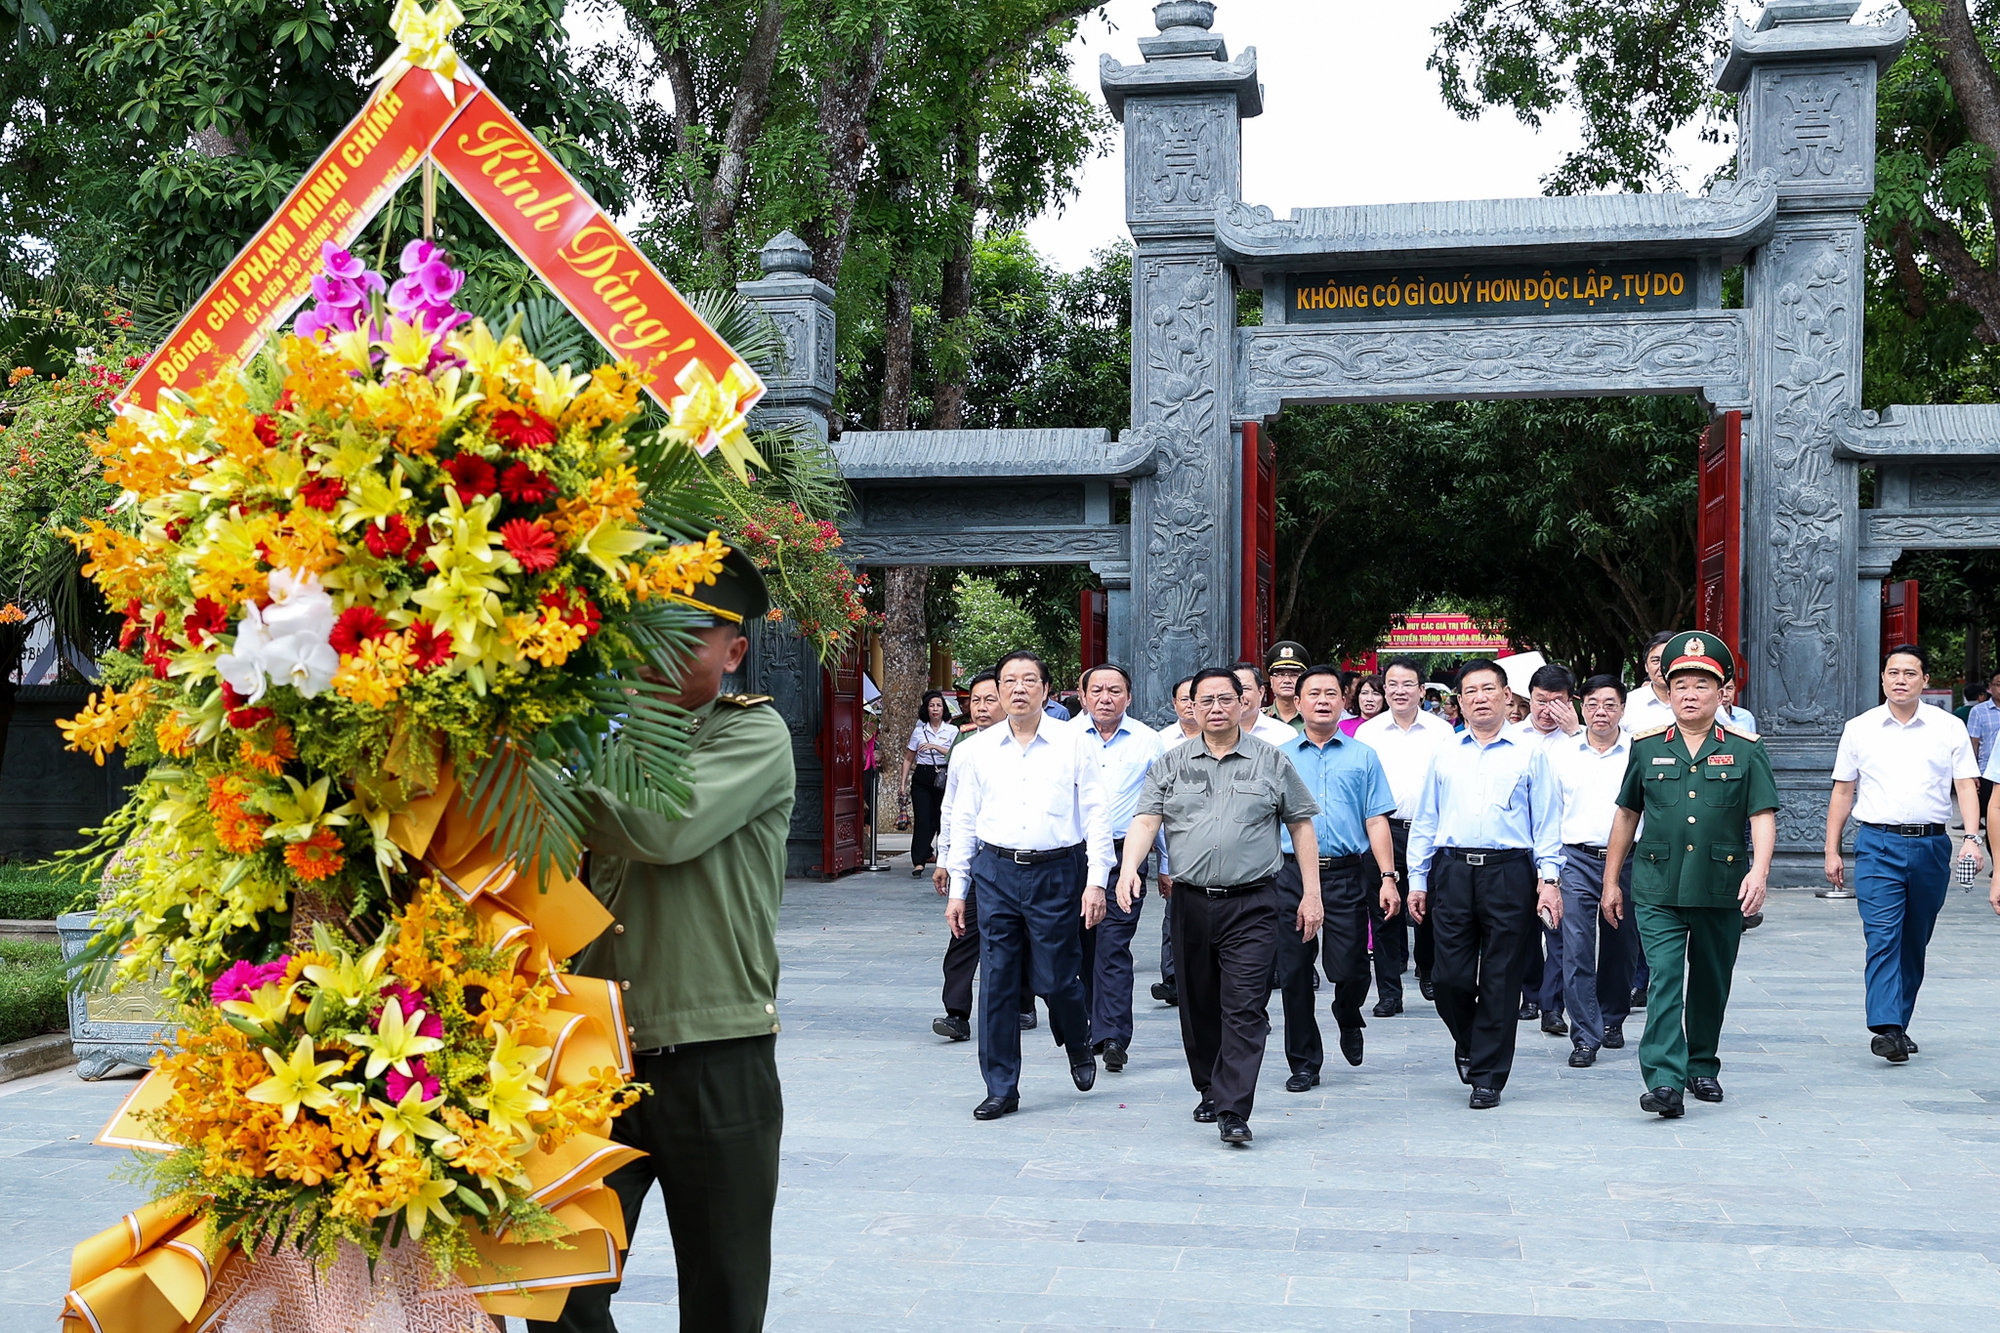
(147, 1274)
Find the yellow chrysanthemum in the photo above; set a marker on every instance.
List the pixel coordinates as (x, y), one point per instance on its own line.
(107, 720)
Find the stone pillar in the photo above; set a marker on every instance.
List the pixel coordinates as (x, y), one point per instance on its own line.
(780, 662)
(1182, 109)
(1807, 80)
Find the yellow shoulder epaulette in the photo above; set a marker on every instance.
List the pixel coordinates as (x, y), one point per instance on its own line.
(1656, 731)
(744, 700)
(1738, 731)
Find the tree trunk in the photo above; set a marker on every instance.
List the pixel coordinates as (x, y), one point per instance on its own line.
(906, 654)
(846, 100)
(954, 364)
(746, 121)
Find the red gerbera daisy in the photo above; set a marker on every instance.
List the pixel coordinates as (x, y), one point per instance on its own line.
(357, 625)
(209, 618)
(522, 485)
(523, 430)
(532, 544)
(241, 717)
(576, 607)
(472, 474)
(135, 625)
(266, 427)
(431, 645)
(392, 538)
(323, 493)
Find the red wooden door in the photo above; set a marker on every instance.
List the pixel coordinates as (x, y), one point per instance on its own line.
(1260, 542)
(1899, 613)
(841, 753)
(1719, 540)
(1094, 622)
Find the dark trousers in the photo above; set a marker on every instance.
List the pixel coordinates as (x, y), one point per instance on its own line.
(926, 801)
(1392, 934)
(1342, 949)
(1224, 949)
(1086, 941)
(710, 1127)
(1423, 944)
(961, 960)
(1899, 887)
(1542, 986)
(1597, 960)
(1167, 947)
(1485, 927)
(1027, 933)
(1108, 966)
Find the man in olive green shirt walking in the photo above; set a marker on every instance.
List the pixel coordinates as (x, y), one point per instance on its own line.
(1693, 880)
(694, 951)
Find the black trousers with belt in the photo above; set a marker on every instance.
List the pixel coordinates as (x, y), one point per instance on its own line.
(1342, 950)
(1224, 949)
(1423, 944)
(1483, 919)
(1392, 934)
(710, 1128)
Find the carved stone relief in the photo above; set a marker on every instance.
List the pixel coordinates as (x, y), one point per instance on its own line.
(1945, 487)
(1802, 816)
(1178, 149)
(1818, 119)
(1921, 530)
(914, 508)
(994, 547)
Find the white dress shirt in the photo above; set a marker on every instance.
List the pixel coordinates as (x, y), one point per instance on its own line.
(1269, 729)
(1122, 763)
(1497, 795)
(1587, 784)
(1644, 711)
(1406, 755)
(1172, 735)
(1903, 771)
(1039, 797)
(1527, 731)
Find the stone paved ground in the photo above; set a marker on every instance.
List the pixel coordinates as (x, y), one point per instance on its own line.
(1831, 1191)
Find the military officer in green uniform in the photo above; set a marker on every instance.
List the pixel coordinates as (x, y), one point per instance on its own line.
(694, 951)
(1693, 880)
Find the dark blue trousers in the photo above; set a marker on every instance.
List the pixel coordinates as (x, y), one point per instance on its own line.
(1899, 885)
(1027, 933)
(1110, 969)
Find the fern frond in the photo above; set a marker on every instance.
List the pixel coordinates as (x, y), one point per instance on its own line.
(536, 818)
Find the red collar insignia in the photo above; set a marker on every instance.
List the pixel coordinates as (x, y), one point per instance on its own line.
(1719, 737)
(1670, 732)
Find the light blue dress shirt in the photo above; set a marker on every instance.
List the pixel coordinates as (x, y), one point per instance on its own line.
(1123, 761)
(1346, 777)
(1497, 795)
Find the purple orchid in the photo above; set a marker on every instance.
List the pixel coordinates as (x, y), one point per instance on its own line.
(342, 294)
(244, 979)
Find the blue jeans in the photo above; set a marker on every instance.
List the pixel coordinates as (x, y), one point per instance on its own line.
(1899, 885)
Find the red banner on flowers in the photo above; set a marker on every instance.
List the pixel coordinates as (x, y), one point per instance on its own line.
(271, 275)
(576, 249)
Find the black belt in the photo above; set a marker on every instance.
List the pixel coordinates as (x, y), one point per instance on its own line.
(1403, 824)
(1592, 848)
(1484, 856)
(1025, 858)
(1223, 890)
(1910, 830)
(1333, 862)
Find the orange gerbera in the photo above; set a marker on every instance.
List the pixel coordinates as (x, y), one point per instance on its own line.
(317, 857)
(236, 829)
(270, 758)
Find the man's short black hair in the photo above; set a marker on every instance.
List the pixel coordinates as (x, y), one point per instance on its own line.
(1083, 685)
(1320, 669)
(1659, 640)
(1184, 681)
(1553, 677)
(1215, 673)
(1408, 664)
(1024, 655)
(1604, 682)
(1256, 672)
(1473, 668)
(983, 678)
(1908, 650)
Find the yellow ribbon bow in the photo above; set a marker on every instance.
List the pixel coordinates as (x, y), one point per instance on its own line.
(426, 43)
(707, 411)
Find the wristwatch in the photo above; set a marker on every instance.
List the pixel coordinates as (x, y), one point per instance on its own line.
(1392, 875)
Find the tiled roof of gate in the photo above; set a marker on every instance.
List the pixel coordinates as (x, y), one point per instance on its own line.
(918, 455)
(1909, 434)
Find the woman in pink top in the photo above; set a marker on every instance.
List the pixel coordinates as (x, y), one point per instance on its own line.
(1368, 699)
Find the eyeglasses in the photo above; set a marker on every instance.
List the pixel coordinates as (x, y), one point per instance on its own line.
(1212, 701)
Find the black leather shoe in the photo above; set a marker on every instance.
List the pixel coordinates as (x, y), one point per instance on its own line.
(1166, 993)
(1028, 1021)
(1426, 989)
(1909, 1045)
(1204, 1112)
(1530, 1011)
(1639, 997)
(1582, 1057)
(1484, 1099)
(995, 1107)
(1464, 1063)
(1705, 1089)
(1388, 1008)
(1350, 1045)
(1114, 1055)
(1891, 1046)
(1083, 1072)
(1233, 1129)
(1663, 1102)
(958, 1029)
(1614, 1037)
(1754, 920)
(1301, 1082)
(1553, 1025)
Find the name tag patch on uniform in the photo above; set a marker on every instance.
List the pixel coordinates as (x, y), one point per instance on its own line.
(1668, 760)
(1719, 759)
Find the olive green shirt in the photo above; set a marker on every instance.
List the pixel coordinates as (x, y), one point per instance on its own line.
(1222, 816)
(1691, 850)
(696, 899)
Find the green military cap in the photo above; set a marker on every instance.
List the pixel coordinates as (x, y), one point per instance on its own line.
(1698, 650)
(737, 595)
(1286, 656)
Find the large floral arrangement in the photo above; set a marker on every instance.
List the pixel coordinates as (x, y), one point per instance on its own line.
(396, 550)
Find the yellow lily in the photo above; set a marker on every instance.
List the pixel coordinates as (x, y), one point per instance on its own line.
(514, 1088)
(408, 346)
(296, 1082)
(394, 1043)
(349, 979)
(410, 1117)
(353, 348)
(268, 1006)
(451, 402)
(482, 352)
(429, 1199)
(466, 543)
(297, 816)
(375, 498)
(607, 545)
(711, 413)
(553, 389)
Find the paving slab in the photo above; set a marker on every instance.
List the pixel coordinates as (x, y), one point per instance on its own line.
(1831, 1193)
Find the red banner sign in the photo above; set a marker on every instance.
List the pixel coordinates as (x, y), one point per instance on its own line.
(1444, 634)
(576, 249)
(268, 279)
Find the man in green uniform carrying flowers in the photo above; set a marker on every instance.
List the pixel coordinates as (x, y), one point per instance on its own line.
(694, 951)
(1693, 880)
